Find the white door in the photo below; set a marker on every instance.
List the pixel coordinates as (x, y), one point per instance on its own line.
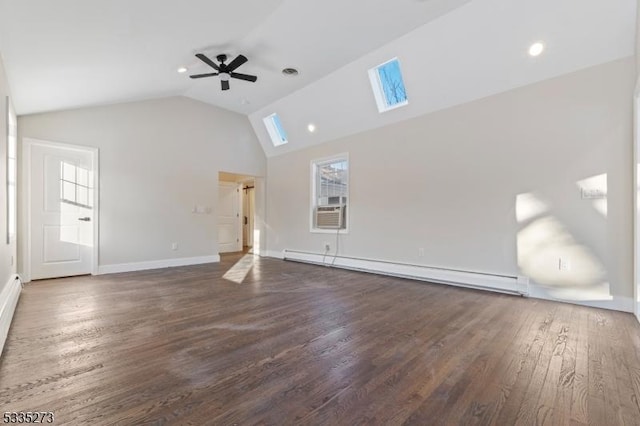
(229, 228)
(61, 187)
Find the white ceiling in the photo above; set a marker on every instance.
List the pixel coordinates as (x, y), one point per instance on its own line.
(475, 51)
(73, 53)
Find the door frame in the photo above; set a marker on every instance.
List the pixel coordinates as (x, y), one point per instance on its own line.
(636, 201)
(27, 145)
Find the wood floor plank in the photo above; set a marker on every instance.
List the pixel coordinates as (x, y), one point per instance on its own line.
(302, 344)
(580, 395)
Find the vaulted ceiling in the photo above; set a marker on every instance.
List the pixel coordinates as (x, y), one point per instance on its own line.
(75, 53)
(477, 50)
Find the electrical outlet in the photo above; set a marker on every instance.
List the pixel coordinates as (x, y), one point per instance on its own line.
(327, 247)
(564, 264)
(174, 246)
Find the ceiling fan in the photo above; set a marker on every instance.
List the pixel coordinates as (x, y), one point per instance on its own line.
(224, 70)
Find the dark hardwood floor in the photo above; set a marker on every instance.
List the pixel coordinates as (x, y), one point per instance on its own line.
(301, 344)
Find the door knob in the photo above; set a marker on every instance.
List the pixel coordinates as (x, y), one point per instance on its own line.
(85, 219)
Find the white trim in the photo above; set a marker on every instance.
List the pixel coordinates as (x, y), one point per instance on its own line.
(156, 264)
(636, 211)
(27, 144)
(477, 280)
(12, 139)
(492, 282)
(8, 302)
(274, 254)
(617, 303)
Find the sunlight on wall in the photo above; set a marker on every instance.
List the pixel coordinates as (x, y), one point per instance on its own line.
(76, 202)
(239, 271)
(71, 230)
(551, 256)
(257, 249)
(528, 206)
(595, 190)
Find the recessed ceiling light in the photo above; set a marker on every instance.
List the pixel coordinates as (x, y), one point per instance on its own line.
(311, 127)
(182, 70)
(536, 49)
(290, 72)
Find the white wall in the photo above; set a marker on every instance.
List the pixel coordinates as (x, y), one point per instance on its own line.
(7, 251)
(489, 186)
(638, 39)
(158, 159)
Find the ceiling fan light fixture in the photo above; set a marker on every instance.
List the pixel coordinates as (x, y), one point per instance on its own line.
(225, 76)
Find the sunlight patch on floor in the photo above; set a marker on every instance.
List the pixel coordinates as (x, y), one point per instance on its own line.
(238, 272)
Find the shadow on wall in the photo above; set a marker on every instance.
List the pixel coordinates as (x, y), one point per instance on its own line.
(551, 256)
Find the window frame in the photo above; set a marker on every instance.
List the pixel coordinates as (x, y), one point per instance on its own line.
(378, 88)
(315, 164)
(277, 137)
(11, 172)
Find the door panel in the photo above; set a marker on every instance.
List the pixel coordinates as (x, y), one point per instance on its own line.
(228, 218)
(61, 185)
(57, 246)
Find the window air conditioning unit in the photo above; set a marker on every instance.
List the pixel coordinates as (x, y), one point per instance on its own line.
(331, 217)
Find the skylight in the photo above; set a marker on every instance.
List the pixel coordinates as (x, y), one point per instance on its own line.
(276, 131)
(388, 85)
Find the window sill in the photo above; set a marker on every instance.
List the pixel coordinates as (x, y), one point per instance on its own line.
(328, 231)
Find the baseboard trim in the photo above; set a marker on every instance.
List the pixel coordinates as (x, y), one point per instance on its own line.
(8, 302)
(492, 282)
(274, 254)
(156, 264)
(617, 303)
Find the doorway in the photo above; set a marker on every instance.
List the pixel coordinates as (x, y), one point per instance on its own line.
(248, 209)
(236, 212)
(62, 209)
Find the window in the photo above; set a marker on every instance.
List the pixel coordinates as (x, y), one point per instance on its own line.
(75, 187)
(275, 129)
(12, 148)
(388, 85)
(330, 193)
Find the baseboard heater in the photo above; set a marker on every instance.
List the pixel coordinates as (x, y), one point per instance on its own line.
(518, 285)
(8, 302)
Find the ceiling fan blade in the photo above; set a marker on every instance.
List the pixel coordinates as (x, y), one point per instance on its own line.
(244, 77)
(239, 60)
(225, 84)
(203, 75)
(207, 61)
